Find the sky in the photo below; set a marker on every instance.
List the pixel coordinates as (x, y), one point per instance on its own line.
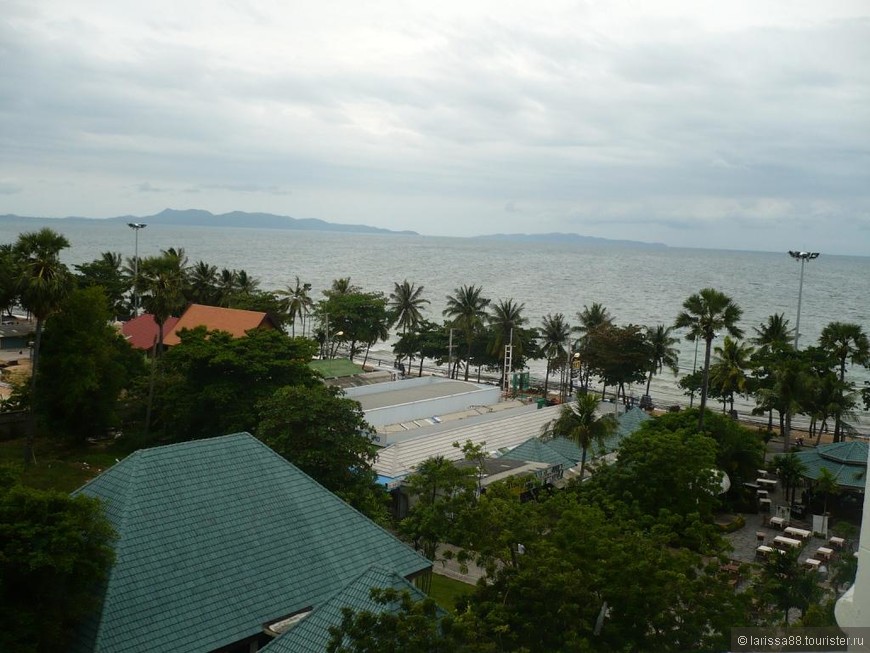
(738, 125)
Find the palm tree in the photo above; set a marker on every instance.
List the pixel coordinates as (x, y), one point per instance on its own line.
(773, 338)
(160, 284)
(790, 470)
(506, 317)
(554, 332)
(43, 285)
(845, 342)
(467, 309)
(826, 485)
(728, 371)
(8, 278)
(775, 334)
(406, 306)
(202, 281)
(662, 351)
(591, 318)
(299, 304)
(705, 313)
(577, 422)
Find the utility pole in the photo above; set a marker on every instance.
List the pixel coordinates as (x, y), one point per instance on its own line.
(450, 356)
(803, 257)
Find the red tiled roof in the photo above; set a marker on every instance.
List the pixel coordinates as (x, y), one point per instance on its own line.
(141, 332)
(214, 318)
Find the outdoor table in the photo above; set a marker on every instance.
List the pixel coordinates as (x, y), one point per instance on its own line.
(787, 541)
(798, 532)
(762, 494)
(779, 522)
(812, 562)
(824, 552)
(762, 473)
(764, 503)
(763, 550)
(760, 535)
(837, 542)
(766, 482)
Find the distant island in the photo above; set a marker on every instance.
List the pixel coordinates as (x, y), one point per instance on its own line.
(200, 218)
(574, 239)
(241, 219)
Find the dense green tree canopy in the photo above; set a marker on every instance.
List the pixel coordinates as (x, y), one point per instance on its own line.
(325, 434)
(55, 551)
(86, 364)
(211, 383)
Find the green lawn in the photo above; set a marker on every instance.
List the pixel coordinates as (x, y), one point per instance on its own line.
(332, 368)
(59, 465)
(446, 591)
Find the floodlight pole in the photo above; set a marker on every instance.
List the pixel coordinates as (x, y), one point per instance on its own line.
(803, 257)
(136, 226)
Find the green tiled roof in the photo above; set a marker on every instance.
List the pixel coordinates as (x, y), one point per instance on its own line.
(847, 461)
(312, 634)
(218, 537)
(567, 448)
(535, 450)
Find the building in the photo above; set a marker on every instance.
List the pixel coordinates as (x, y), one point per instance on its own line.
(142, 332)
(234, 321)
(223, 545)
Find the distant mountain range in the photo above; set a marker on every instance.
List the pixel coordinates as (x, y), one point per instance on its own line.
(200, 218)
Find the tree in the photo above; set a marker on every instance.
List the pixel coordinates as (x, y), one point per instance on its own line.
(703, 314)
(785, 584)
(211, 382)
(578, 421)
(618, 355)
(106, 273)
(406, 306)
(299, 303)
(443, 492)
(590, 319)
(790, 470)
(554, 335)
(729, 371)
(662, 352)
(85, 367)
(773, 338)
(826, 485)
(325, 435)
(160, 285)
(43, 285)
(202, 284)
(845, 342)
(355, 318)
(466, 308)
(403, 625)
(505, 323)
(9, 278)
(55, 551)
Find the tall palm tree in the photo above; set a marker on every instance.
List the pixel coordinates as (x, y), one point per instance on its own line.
(591, 318)
(577, 421)
(466, 307)
(774, 334)
(728, 371)
(406, 307)
(703, 314)
(160, 284)
(9, 276)
(554, 333)
(505, 318)
(44, 282)
(299, 303)
(845, 342)
(202, 281)
(662, 352)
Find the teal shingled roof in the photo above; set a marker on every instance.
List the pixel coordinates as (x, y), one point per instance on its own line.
(537, 451)
(847, 461)
(218, 537)
(567, 448)
(312, 634)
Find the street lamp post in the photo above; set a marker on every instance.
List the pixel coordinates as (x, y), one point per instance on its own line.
(803, 257)
(694, 369)
(136, 226)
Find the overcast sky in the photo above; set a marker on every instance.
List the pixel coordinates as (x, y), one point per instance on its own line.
(738, 124)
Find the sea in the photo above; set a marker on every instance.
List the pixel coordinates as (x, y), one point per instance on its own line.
(638, 284)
